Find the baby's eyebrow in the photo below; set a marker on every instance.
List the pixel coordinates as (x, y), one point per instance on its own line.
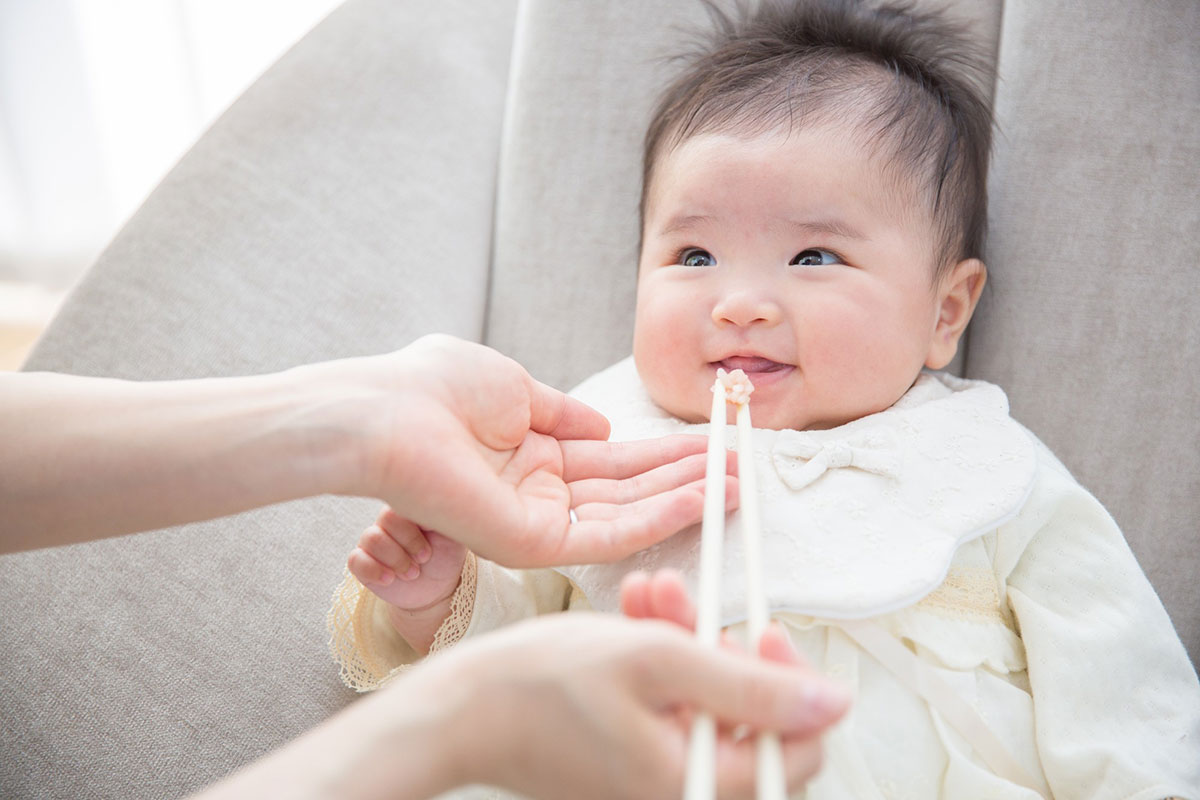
(829, 227)
(684, 222)
(832, 227)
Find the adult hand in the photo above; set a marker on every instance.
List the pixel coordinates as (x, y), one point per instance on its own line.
(599, 706)
(456, 437)
(468, 444)
(571, 705)
(663, 596)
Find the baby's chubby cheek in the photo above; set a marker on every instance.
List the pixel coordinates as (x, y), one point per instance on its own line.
(664, 371)
(668, 398)
(651, 367)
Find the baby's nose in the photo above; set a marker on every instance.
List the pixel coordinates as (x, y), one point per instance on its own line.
(746, 307)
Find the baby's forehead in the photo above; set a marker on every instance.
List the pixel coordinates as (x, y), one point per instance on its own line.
(798, 166)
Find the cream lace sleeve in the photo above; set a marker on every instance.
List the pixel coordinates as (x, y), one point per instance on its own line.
(462, 606)
(368, 650)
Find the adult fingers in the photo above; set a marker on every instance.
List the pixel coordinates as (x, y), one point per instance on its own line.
(607, 532)
(629, 515)
(802, 757)
(737, 764)
(637, 487)
(618, 460)
(763, 695)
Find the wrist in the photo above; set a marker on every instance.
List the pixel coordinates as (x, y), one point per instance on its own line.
(419, 626)
(471, 713)
(417, 721)
(435, 713)
(338, 421)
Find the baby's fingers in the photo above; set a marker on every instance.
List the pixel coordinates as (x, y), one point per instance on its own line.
(382, 548)
(407, 534)
(635, 595)
(367, 570)
(775, 645)
(662, 595)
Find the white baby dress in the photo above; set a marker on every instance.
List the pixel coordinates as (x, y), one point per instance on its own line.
(935, 543)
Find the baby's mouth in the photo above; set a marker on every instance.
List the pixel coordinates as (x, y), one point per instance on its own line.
(751, 365)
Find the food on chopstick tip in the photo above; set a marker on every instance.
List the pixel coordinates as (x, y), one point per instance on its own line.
(736, 384)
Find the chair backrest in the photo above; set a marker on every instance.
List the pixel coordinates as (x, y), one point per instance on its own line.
(1095, 258)
(391, 176)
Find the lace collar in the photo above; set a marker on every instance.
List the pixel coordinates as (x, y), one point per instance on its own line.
(858, 520)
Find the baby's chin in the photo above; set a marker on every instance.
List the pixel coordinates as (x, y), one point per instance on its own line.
(684, 409)
(686, 412)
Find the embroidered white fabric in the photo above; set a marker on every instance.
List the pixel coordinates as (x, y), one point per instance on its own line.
(859, 520)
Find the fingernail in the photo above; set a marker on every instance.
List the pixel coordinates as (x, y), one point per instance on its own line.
(386, 578)
(825, 699)
(424, 555)
(412, 573)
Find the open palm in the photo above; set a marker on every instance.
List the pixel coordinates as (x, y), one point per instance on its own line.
(496, 462)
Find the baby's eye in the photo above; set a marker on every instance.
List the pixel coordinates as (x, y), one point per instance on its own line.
(815, 257)
(695, 257)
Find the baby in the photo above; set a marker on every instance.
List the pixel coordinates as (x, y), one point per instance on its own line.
(813, 213)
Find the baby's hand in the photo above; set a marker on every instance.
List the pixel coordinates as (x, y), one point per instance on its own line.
(663, 595)
(407, 567)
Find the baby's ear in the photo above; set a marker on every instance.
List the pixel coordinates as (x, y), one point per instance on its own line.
(958, 294)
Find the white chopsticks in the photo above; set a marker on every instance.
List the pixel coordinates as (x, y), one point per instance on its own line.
(700, 783)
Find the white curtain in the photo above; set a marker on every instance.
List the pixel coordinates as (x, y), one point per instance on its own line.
(99, 98)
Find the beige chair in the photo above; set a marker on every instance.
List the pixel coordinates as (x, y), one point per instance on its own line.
(403, 170)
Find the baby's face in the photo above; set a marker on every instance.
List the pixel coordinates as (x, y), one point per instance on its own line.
(792, 258)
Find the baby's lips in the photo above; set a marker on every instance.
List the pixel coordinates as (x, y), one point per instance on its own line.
(750, 364)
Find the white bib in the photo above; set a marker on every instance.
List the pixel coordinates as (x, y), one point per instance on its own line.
(859, 520)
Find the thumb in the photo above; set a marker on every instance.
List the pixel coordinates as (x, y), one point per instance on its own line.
(555, 414)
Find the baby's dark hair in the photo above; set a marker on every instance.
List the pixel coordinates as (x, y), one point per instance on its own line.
(908, 80)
